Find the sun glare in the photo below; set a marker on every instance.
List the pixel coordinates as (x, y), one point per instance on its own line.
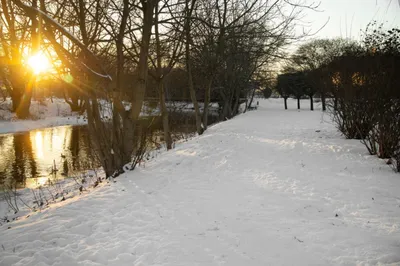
(39, 63)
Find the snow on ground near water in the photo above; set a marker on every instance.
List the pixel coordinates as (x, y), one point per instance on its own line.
(261, 189)
(50, 113)
(56, 112)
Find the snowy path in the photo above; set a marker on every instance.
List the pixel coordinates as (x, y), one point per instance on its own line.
(261, 189)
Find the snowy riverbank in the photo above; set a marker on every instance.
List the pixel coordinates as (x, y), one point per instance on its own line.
(50, 113)
(56, 112)
(269, 187)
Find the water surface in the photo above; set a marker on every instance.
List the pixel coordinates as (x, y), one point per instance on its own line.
(30, 159)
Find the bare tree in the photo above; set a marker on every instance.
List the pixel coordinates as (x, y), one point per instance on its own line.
(235, 41)
(111, 46)
(15, 32)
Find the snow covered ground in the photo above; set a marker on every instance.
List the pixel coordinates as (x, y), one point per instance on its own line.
(50, 113)
(269, 187)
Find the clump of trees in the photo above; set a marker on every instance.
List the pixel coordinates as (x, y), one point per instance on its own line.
(366, 82)
(364, 85)
(358, 84)
(301, 74)
(292, 84)
(111, 53)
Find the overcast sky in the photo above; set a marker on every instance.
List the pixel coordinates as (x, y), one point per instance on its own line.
(348, 17)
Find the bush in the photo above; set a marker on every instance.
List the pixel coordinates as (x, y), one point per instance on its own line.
(364, 85)
(351, 119)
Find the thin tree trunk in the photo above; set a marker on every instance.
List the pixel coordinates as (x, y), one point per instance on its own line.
(225, 110)
(298, 103)
(323, 100)
(165, 116)
(206, 104)
(235, 109)
(30, 80)
(335, 103)
(25, 102)
(34, 30)
(160, 83)
(104, 156)
(21, 93)
(285, 102)
(311, 103)
(140, 91)
(251, 100)
(22, 85)
(16, 96)
(123, 131)
(192, 91)
(119, 45)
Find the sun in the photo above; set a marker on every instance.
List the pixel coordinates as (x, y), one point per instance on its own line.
(39, 63)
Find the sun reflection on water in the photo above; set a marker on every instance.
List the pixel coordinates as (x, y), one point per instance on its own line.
(38, 144)
(37, 182)
(30, 158)
(48, 147)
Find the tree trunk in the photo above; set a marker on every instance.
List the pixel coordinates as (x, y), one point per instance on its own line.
(224, 114)
(251, 100)
(285, 101)
(104, 155)
(335, 103)
(107, 139)
(164, 115)
(311, 103)
(397, 162)
(160, 85)
(206, 104)
(21, 104)
(298, 103)
(119, 45)
(16, 97)
(323, 100)
(34, 30)
(72, 98)
(30, 80)
(236, 103)
(21, 93)
(25, 102)
(75, 106)
(140, 91)
(192, 91)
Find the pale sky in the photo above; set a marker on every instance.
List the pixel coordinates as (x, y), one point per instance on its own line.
(348, 17)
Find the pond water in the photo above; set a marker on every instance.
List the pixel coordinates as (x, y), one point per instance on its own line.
(30, 159)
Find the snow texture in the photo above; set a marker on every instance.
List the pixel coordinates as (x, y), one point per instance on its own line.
(269, 187)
